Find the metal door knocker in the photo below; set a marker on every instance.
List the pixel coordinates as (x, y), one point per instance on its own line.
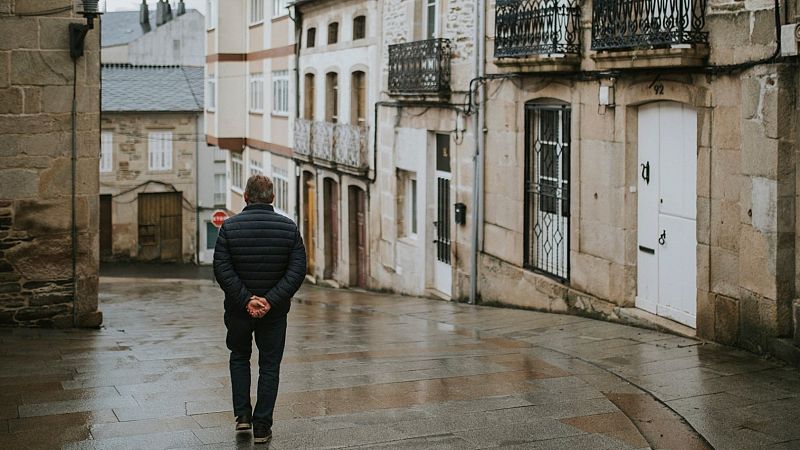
(646, 172)
(663, 238)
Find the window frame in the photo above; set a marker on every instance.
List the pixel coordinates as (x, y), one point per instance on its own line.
(106, 152)
(163, 149)
(431, 5)
(256, 12)
(280, 8)
(333, 26)
(280, 183)
(309, 95)
(356, 93)
(332, 97)
(280, 93)
(255, 167)
(211, 15)
(237, 168)
(311, 37)
(220, 189)
(211, 93)
(363, 27)
(255, 93)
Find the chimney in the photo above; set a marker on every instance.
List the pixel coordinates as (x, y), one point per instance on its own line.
(159, 13)
(167, 11)
(181, 8)
(144, 17)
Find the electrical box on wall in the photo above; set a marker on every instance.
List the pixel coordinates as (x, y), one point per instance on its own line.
(606, 96)
(790, 34)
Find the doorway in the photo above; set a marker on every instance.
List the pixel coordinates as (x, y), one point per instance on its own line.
(310, 218)
(357, 209)
(106, 240)
(160, 229)
(331, 217)
(667, 211)
(442, 264)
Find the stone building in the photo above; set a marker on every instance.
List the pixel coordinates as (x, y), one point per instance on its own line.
(425, 148)
(644, 173)
(250, 55)
(339, 82)
(46, 177)
(152, 132)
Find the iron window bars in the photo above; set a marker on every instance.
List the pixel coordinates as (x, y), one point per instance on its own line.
(537, 27)
(625, 24)
(547, 189)
(420, 67)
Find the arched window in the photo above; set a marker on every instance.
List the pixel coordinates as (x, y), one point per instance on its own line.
(332, 97)
(310, 93)
(333, 33)
(358, 102)
(311, 37)
(359, 28)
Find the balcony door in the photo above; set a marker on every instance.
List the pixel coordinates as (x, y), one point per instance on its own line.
(667, 212)
(310, 218)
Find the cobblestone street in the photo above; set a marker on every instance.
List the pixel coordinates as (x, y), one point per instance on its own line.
(372, 370)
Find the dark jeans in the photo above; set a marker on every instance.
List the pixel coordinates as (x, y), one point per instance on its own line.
(270, 340)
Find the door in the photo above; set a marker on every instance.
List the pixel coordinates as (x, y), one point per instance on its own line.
(358, 237)
(667, 212)
(442, 265)
(331, 212)
(160, 230)
(106, 241)
(310, 218)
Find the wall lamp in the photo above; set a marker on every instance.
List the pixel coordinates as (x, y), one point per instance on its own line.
(77, 32)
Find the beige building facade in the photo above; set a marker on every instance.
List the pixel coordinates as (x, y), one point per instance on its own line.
(644, 174)
(249, 107)
(42, 282)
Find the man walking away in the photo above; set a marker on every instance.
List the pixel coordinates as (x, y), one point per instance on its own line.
(260, 263)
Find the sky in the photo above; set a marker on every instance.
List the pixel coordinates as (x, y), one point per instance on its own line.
(133, 5)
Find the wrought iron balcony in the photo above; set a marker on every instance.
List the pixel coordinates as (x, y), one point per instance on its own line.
(332, 144)
(420, 67)
(630, 24)
(537, 27)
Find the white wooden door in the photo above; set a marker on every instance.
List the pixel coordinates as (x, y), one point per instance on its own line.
(442, 267)
(667, 227)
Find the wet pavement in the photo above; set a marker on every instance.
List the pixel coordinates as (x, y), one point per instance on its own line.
(380, 371)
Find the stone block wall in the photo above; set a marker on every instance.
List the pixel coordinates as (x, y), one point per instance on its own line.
(36, 82)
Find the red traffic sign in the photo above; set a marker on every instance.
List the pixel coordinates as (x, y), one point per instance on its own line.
(218, 218)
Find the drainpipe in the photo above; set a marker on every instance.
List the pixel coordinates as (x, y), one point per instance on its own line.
(298, 44)
(197, 189)
(478, 125)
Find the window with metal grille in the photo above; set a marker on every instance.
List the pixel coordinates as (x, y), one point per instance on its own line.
(106, 152)
(311, 37)
(547, 179)
(160, 150)
(359, 28)
(333, 33)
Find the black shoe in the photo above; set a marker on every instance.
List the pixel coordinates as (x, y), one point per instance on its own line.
(261, 434)
(244, 422)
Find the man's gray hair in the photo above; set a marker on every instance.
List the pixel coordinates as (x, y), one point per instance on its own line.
(260, 190)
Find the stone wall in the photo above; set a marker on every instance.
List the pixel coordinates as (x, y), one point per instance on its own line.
(36, 77)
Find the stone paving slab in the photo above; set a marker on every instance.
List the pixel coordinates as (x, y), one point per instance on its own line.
(365, 370)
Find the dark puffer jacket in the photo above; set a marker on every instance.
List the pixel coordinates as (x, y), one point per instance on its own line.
(259, 252)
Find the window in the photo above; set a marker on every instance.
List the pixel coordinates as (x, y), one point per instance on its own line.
(219, 154)
(280, 181)
(106, 152)
(311, 37)
(358, 104)
(359, 28)
(256, 168)
(160, 150)
(333, 33)
(332, 97)
(280, 92)
(547, 177)
(211, 16)
(237, 172)
(407, 225)
(279, 8)
(431, 20)
(220, 196)
(308, 106)
(211, 236)
(256, 11)
(211, 92)
(256, 92)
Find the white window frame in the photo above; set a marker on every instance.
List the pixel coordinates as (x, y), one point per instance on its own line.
(211, 14)
(435, 6)
(412, 194)
(159, 151)
(280, 92)
(256, 167)
(256, 92)
(220, 188)
(237, 173)
(256, 12)
(280, 183)
(106, 152)
(211, 93)
(220, 155)
(280, 8)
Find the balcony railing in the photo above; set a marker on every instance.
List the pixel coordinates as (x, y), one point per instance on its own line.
(340, 144)
(537, 27)
(420, 67)
(629, 24)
